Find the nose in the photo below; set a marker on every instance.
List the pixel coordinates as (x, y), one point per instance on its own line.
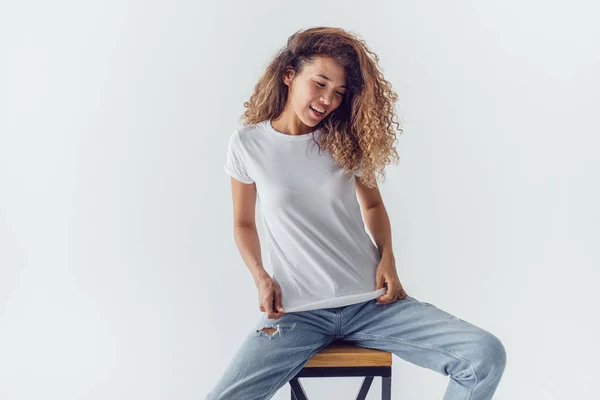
(326, 99)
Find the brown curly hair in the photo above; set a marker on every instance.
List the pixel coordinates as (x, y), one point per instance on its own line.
(359, 134)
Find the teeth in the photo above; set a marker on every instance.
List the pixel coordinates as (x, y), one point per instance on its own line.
(319, 110)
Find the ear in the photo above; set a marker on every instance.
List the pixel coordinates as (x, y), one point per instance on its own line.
(288, 76)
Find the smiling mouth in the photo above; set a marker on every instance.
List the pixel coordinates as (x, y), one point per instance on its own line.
(320, 114)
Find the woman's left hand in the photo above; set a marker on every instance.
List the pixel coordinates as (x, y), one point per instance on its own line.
(386, 273)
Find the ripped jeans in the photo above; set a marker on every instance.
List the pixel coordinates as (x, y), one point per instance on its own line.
(417, 332)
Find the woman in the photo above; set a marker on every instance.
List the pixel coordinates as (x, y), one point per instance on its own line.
(317, 127)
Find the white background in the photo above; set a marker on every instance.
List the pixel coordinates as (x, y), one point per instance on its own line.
(119, 275)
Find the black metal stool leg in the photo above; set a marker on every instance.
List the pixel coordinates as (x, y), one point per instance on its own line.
(369, 373)
(364, 389)
(297, 391)
(386, 388)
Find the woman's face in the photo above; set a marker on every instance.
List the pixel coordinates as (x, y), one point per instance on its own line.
(320, 85)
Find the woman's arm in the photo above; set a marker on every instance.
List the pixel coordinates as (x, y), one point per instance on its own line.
(246, 238)
(244, 228)
(378, 223)
(376, 218)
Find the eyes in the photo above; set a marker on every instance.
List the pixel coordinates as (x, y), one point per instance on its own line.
(321, 85)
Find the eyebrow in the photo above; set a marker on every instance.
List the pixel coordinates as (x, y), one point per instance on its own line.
(324, 77)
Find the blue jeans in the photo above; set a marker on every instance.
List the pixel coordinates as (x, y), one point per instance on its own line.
(415, 331)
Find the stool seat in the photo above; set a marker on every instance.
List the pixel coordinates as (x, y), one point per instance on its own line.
(342, 358)
(343, 354)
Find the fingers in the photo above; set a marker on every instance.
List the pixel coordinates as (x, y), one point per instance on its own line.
(269, 305)
(277, 307)
(278, 302)
(384, 298)
(391, 296)
(272, 306)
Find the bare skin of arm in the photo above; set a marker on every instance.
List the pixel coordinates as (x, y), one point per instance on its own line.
(378, 223)
(248, 244)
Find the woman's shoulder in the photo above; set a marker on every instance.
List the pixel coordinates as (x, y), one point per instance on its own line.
(248, 129)
(249, 133)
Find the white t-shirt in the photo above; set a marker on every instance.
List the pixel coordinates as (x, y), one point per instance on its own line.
(317, 247)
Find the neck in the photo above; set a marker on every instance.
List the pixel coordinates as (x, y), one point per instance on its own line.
(290, 124)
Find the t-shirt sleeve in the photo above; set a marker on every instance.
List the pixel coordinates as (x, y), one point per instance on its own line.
(235, 164)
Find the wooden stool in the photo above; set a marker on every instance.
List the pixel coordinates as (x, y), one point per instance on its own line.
(345, 359)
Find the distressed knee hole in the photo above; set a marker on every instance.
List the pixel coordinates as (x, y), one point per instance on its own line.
(273, 330)
(269, 331)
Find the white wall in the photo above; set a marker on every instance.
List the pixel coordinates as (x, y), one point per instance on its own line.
(119, 275)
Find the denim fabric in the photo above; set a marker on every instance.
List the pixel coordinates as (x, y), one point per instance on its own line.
(415, 331)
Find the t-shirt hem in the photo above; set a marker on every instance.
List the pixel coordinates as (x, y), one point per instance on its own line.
(337, 301)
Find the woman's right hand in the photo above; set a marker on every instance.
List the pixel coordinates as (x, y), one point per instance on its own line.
(269, 297)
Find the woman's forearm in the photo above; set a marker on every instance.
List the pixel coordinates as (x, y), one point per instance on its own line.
(378, 224)
(248, 244)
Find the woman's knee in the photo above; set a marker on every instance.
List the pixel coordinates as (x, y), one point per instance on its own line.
(489, 355)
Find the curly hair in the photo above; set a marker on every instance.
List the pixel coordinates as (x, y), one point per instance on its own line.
(359, 134)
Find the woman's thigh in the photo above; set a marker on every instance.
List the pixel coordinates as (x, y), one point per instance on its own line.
(426, 335)
(272, 353)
